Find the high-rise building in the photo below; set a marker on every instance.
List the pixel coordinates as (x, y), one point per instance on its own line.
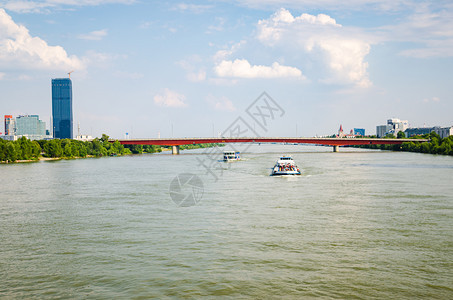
(393, 127)
(10, 126)
(31, 127)
(359, 131)
(62, 108)
(382, 130)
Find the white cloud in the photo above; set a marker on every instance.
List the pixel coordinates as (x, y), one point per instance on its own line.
(282, 23)
(94, 35)
(346, 60)
(342, 50)
(427, 32)
(222, 103)
(21, 6)
(19, 49)
(193, 8)
(197, 76)
(243, 69)
(224, 53)
(2, 75)
(383, 5)
(431, 100)
(194, 72)
(218, 27)
(170, 98)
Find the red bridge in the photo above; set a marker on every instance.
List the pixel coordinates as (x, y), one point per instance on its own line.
(335, 142)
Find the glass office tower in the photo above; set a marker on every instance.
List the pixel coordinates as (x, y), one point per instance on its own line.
(31, 127)
(62, 108)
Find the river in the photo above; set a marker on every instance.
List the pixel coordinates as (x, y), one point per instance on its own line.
(356, 224)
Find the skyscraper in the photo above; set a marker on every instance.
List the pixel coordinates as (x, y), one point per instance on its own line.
(62, 108)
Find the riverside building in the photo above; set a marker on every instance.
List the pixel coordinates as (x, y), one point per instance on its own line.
(442, 131)
(10, 125)
(31, 127)
(393, 127)
(62, 108)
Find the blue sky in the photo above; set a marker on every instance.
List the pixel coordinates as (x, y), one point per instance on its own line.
(188, 69)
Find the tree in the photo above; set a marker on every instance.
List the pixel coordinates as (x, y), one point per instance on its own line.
(104, 138)
(425, 148)
(11, 153)
(401, 135)
(68, 150)
(390, 136)
(53, 148)
(3, 146)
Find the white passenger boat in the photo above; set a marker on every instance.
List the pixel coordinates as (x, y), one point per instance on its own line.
(231, 156)
(285, 165)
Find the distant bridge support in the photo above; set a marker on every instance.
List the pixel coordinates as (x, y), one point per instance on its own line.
(336, 148)
(175, 150)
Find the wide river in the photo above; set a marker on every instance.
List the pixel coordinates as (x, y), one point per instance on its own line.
(356, 224)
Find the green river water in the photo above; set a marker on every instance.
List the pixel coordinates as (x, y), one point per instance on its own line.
(358, 224)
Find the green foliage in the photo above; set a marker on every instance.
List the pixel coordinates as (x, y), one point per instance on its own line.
(436, 145)
(197, 146)
(135, 149)
(24, 149)
(401, 135)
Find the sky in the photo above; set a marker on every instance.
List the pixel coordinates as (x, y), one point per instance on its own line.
(192, 68)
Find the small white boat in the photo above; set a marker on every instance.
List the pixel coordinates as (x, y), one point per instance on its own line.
(285, 165)
(231, 156)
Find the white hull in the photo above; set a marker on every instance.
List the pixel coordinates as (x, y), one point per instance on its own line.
(280, 173)
(285, 166)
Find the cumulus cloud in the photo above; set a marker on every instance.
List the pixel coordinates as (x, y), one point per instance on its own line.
(342, 50)
(282, 23)
(96, 35)
(170, 98)
(346, 59)
(222, 103)
(241, 68)
(19, 49)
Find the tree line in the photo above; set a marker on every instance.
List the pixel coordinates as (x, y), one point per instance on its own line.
(436, 145)
(25, 149)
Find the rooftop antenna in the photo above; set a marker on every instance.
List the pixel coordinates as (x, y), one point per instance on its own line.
(69, 74)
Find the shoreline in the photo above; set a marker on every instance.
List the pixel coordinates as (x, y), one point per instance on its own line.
(42, 158)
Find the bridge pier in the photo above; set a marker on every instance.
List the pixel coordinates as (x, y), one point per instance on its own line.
(175, 150)
(336, 148)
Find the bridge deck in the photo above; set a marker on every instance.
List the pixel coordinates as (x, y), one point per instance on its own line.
(317, 141)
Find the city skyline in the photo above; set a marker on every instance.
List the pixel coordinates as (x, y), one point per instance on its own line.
(190, 69)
